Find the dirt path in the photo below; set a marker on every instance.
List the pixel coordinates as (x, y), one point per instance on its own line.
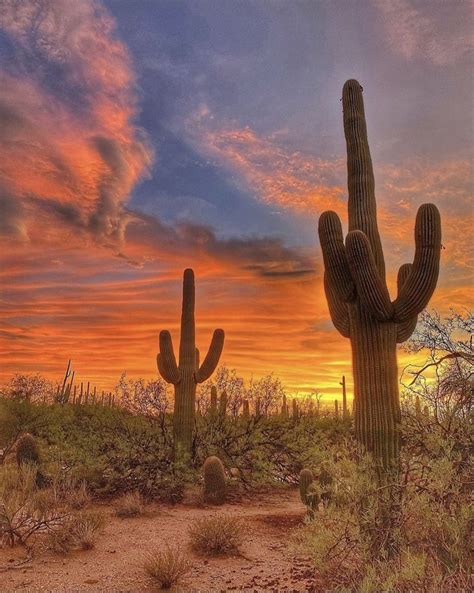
(115, 565)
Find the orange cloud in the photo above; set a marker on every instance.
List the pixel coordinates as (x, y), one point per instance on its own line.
(290, 179)
(70, 151)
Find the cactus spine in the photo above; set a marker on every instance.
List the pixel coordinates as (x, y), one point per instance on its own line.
(214, 480)
(357, 293)
(188, 373)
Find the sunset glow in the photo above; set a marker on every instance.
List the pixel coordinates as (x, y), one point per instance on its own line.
(136, 145)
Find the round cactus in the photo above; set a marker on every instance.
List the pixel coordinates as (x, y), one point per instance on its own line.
(306, 479)
(214, 481)
(326, 482)
(27, 450)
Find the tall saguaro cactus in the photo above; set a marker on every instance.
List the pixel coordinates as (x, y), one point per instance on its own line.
(357, 294)
(188, 373)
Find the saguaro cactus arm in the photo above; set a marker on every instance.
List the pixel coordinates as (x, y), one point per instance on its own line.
(420, 284)
(212, 358)
(371, 288)
(405, 328)
(337, 309)
(166, 359)
(334, 255)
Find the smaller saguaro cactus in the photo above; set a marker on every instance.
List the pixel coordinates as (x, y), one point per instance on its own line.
(258, 411)
(27, 450)
(245, 408)
(223, 404)
(214, 481)
(284, 408)
(188, 372)
(336, 408)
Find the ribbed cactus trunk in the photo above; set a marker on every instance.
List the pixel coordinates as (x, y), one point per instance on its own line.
(357, 294)
(189, 373)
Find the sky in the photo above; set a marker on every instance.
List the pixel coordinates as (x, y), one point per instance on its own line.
(142, 137)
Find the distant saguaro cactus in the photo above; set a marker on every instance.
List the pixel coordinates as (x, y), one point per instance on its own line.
(294, 410)
(213, 406)
(223, 404)
(245, 408)
(214, 480)
(188, 373)
(357, 294)
(345, 411)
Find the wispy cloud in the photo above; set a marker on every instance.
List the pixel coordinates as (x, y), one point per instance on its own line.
(440, 32)
(287, 179)
(71, 153)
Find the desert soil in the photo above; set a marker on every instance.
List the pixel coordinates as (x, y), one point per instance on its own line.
(116, 563)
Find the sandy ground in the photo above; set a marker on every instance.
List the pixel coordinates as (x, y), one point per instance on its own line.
(116, 563)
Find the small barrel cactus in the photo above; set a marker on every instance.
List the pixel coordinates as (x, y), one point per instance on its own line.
(308, 497)
(326, 482)
(306, 479)
(27, 450)
(214, 480)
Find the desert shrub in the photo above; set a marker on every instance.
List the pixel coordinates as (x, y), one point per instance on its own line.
(77, 531)
(78, 497)
(129, 505)
(431, 533)
(167, 566)
(217, 535)
(84, 528)
(25, 510)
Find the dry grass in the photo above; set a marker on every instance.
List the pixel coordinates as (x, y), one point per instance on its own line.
(167, 566)
(129, 505)
(78, 531)
(78, 498)
(218, 535)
